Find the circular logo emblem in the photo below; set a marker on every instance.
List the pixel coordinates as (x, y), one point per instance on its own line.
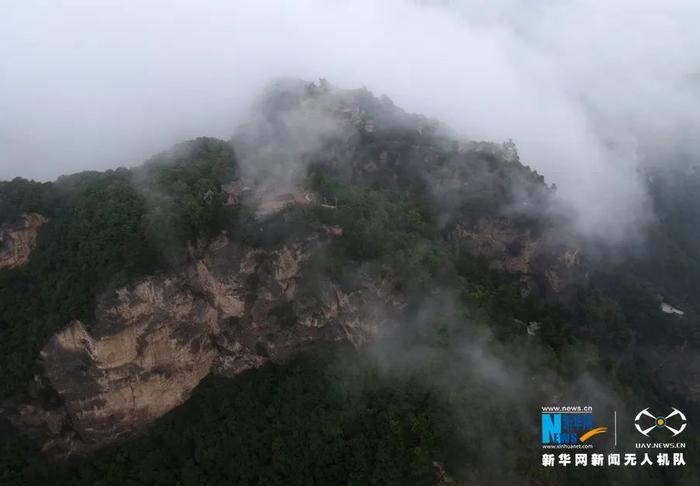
(679, 422)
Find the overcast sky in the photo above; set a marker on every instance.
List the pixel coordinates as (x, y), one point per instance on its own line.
(584, 87)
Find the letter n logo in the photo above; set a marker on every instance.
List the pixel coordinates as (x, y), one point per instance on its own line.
(551, 427)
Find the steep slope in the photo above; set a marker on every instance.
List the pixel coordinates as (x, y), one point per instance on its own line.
(153, 341)
(256, 293)
(480, 193)
(339, 218)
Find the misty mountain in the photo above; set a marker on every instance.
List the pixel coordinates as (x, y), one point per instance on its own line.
(343, 292)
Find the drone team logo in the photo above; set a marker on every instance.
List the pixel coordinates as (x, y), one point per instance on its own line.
(567, 431)
(645, 422)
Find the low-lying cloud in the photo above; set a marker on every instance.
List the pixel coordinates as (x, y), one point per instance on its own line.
(588, 90)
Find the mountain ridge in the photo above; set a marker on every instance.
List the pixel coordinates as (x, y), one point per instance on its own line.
(370, 216)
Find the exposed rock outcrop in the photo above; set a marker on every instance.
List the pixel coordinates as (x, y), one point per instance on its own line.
(148, 350)
(541, 259)
(232, 309)
(18, 240)
(237, 305)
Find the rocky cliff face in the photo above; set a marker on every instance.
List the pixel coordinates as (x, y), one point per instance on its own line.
(237, 305)
(18, 240)
(543, 261)
(232, 309)
(150, 346)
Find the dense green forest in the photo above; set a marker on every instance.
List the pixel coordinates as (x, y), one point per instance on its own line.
(103, 229)
(667, 265)
(311, 421)
(334, 415)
